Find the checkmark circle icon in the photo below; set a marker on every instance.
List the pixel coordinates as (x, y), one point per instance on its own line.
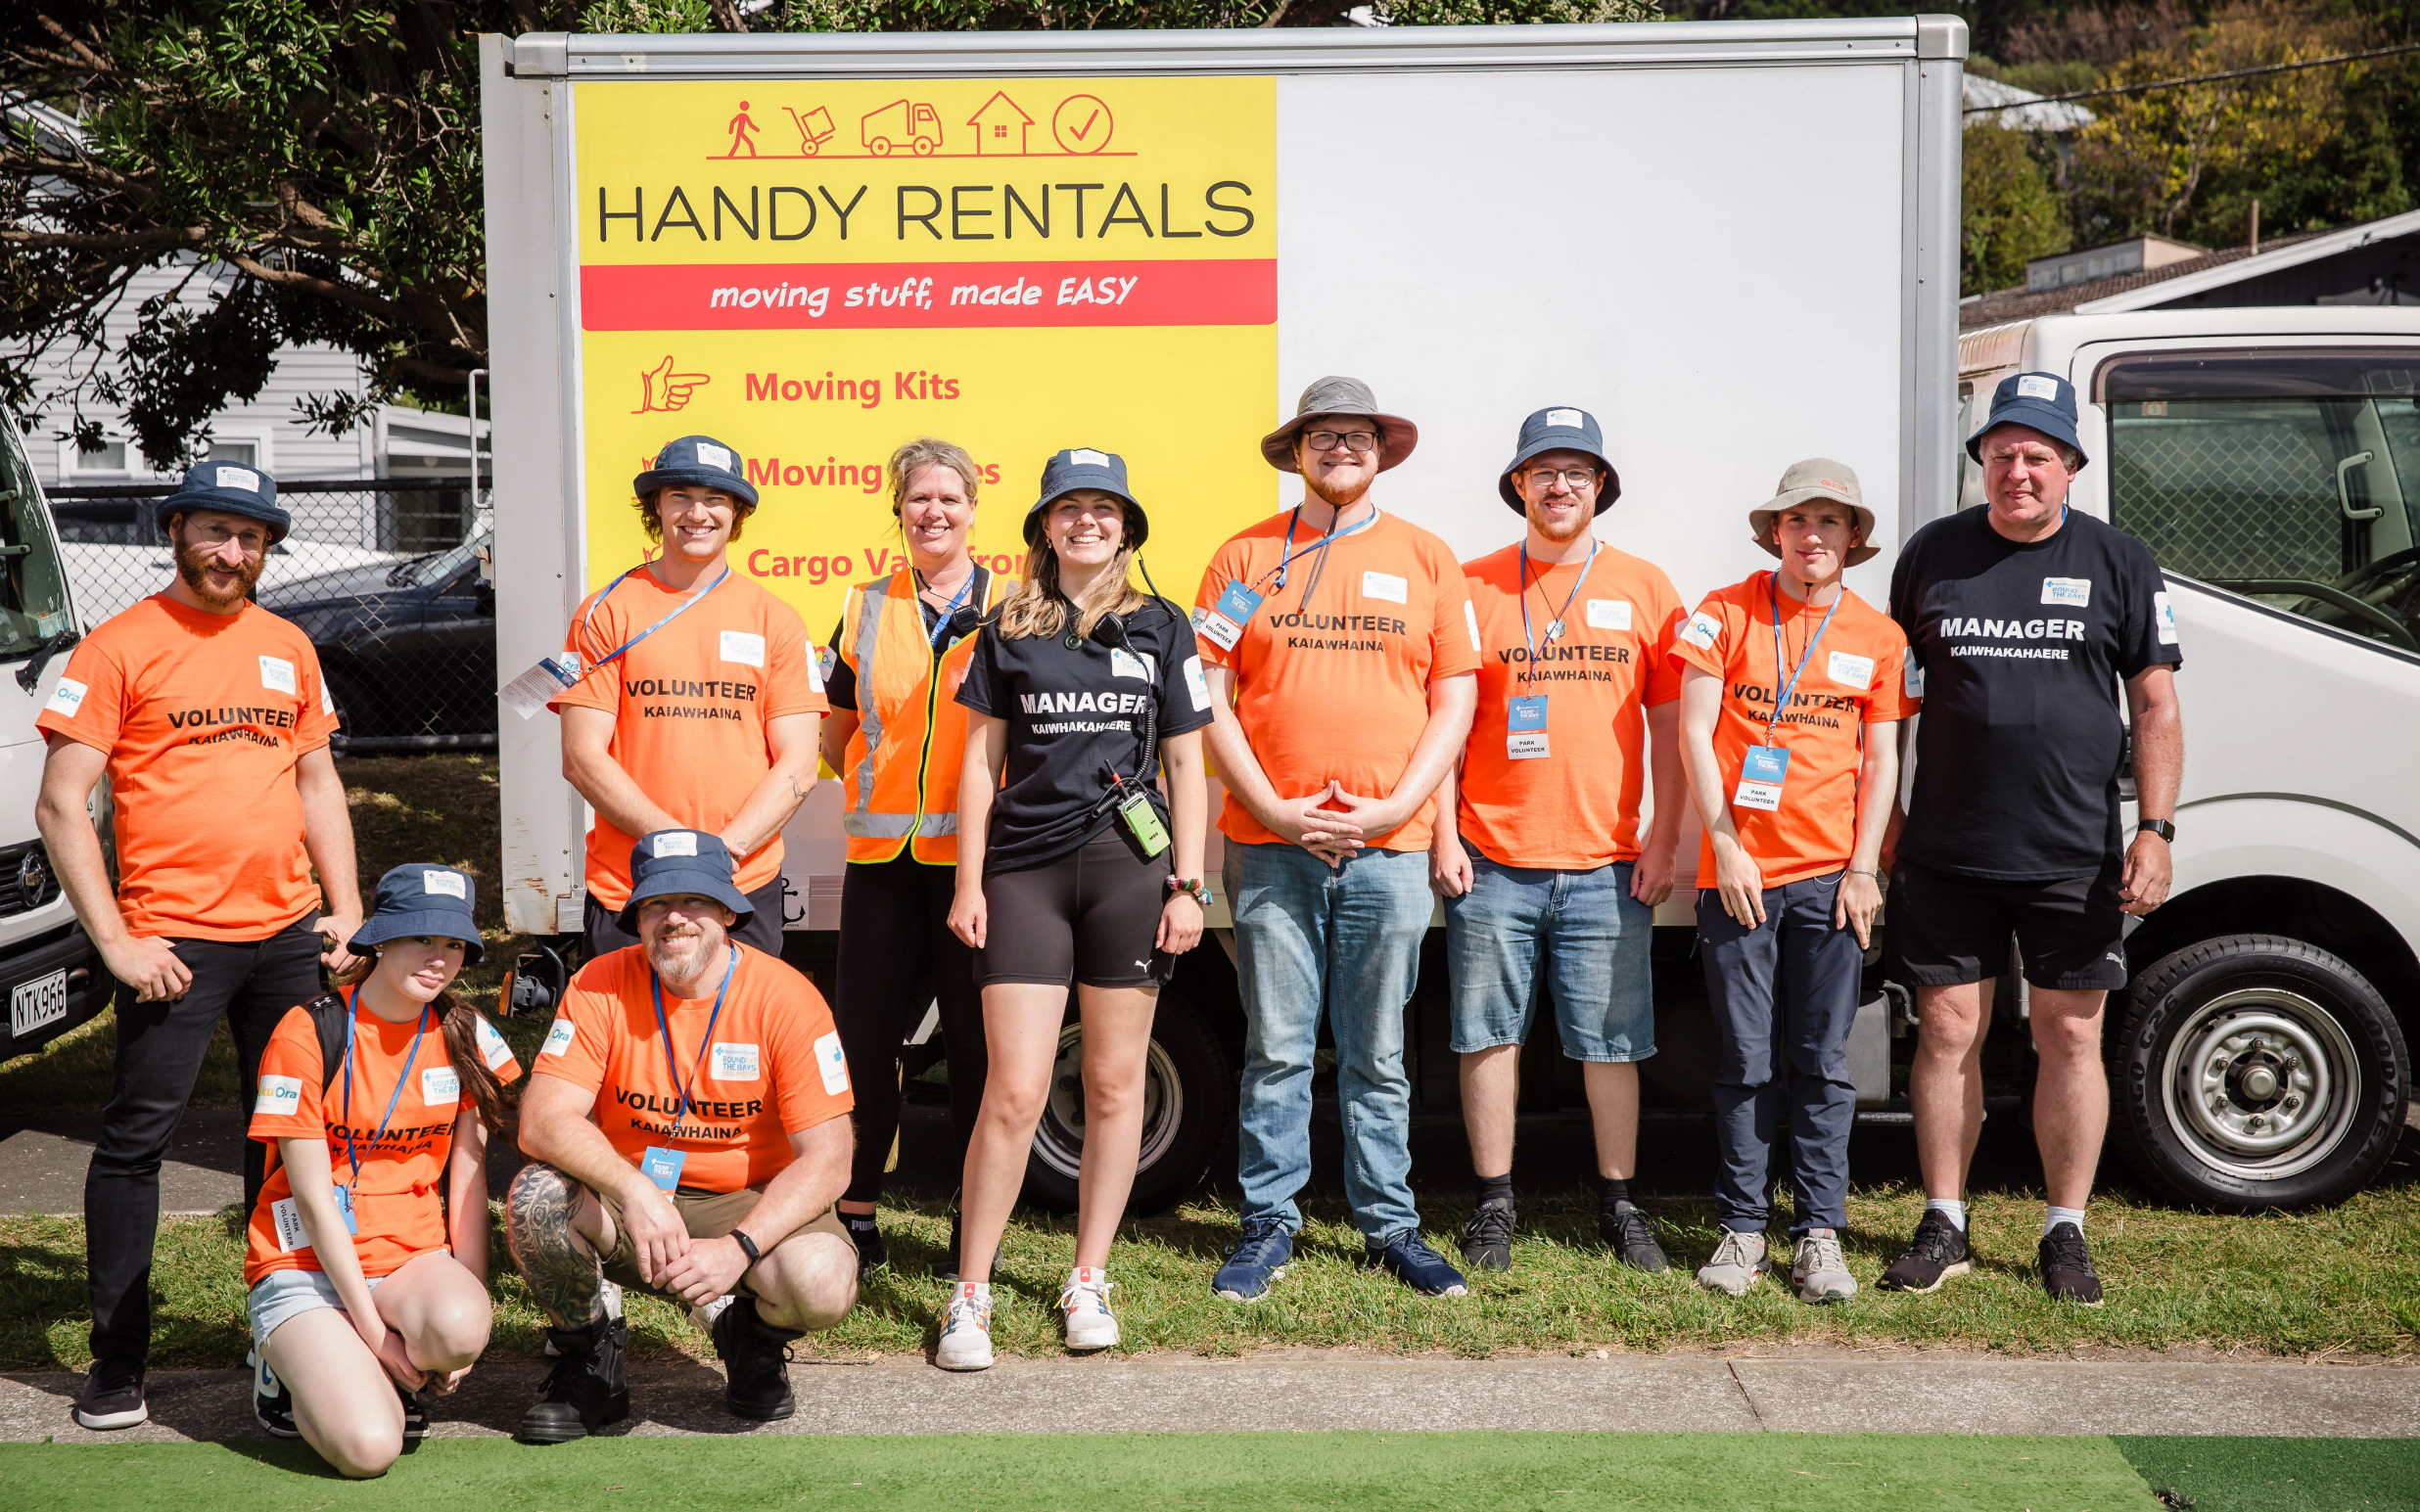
(1080, 125)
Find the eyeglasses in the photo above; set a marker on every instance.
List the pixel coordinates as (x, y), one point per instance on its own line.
(1350, 440)
(1574, 478)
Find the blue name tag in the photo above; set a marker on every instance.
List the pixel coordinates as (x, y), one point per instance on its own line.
(1526, 713)
(1761, 772)
(1239, 602)
(663, 1167)
(343, 1208)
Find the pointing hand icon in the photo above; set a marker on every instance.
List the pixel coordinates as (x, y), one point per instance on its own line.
(662, 389)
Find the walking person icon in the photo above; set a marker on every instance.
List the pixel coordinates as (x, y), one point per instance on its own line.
(743, 126)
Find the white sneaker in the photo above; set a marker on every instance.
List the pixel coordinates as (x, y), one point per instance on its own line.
(1737, 1263)
(966, 1335)
(1818, 1270)
(1085, 1304)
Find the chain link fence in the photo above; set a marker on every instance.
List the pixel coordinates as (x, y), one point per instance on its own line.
(383, 573)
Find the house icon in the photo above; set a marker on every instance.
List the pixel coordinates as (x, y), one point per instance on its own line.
(1000, 126)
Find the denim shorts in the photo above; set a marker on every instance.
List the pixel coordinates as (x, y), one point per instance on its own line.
(1579, 933)
(284, 1293)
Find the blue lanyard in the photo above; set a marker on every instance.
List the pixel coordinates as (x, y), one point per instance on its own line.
(1318, 546)
(933, 641)
(1782, 690)
(1568, 600)
(622, 650)
(672, 1066)
(352, 1008)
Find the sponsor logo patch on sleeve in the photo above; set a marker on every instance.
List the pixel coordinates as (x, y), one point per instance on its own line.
(280, 1097)
(2164, 615)
(67, 698)
(832, 1062)
(559, 1038)
(1912, 676)
(1471, 622)
(491, 1047)
(1196, 684)
(819, 666)
(1702, 630)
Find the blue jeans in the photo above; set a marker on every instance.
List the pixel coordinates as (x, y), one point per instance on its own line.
(1579, 931)
(1347, 938)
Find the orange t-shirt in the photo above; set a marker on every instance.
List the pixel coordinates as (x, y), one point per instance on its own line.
(689, 706)
(1333, 669)
(203, 718)
(774, 1067)
(1577, 807)
(399, 1207)
(1855, 680)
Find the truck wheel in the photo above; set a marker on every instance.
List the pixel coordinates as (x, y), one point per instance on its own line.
(925, 145)
(2256, 1072)
(1188, 1098)
(880, 147)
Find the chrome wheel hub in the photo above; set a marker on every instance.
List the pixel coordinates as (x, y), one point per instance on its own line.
(2261, 1084)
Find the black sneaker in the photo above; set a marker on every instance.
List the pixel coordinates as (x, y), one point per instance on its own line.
(1631, 1235)
(1409, 1258)
(866, 1234)
(2066, 1267)
(756, 1363)
(1487, 1239)
(415, 1413)
(111, 1395)
(1937, 1252)
(272, 1408)
(586, 1390)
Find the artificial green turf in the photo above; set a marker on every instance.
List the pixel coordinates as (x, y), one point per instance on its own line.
(1432, 1472)
(2280, 1475)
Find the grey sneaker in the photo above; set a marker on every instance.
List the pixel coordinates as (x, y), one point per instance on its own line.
(1737, 1263)
(1818, 1270)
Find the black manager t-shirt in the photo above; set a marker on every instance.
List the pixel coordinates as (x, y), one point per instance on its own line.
(2022, 648)
(1071, 715)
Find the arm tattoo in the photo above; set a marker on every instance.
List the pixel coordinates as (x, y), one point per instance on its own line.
(562, 1271)
(795, 791)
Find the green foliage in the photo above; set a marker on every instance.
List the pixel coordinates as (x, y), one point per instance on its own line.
(2011, 212)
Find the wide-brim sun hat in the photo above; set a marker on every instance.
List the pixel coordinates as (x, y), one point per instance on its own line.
(1341, 398)
(422, 897)
(671, 863)
(1817, 478)
(229, 488)
(2043, 402)
(1562, 428)
(1084, 467)
(698, 462)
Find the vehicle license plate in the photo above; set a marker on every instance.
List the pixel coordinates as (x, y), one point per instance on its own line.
(43, 1000)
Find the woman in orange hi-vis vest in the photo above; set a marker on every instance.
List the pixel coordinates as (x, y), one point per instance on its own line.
(896, 736)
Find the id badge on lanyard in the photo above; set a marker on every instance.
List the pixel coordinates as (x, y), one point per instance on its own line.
(1761, 774)
(1524, 738)
(529, 693)
(663, 1167)
(1222, 625)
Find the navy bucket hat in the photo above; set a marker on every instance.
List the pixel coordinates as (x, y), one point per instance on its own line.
(421, 897)
(231, 488)
(2038, 402)
(1561, 429)
(671, 862)
(701, 462)
(1081, 466)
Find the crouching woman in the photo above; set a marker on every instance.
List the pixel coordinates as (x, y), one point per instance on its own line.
(368, 1252)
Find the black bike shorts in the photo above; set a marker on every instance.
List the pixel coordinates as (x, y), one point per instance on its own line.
(1089, 917)
(1947, 930)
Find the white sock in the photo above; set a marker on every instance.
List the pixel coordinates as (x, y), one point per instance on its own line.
(2059, 1215)
(1954, 1207)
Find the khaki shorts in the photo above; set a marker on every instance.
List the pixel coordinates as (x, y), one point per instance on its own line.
(707, 1215)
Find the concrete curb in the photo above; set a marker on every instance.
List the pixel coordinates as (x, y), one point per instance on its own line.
(1347, 1389)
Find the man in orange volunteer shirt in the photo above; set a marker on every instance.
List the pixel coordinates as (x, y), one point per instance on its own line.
(207, 714)
(1575, 669)
(698, 700)
(687, 1131)
(1339, 650)
(1790, 708)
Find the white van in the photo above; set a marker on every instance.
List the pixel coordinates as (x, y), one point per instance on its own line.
(2270, 459)
(49, 971)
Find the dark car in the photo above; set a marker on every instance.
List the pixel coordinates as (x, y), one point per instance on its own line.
(409, 648)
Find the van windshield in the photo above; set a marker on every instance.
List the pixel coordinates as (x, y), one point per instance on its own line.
(33, 591)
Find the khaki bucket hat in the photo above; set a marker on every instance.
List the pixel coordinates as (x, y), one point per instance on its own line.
(1341, 396)
(1817, 478)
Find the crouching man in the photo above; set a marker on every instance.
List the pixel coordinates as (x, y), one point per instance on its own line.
(687, 1132)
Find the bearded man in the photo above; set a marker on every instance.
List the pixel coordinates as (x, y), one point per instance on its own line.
(207, 714)
(1340, 659)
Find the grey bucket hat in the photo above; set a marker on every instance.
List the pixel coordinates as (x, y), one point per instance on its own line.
(1817, 478)
(1341, 396)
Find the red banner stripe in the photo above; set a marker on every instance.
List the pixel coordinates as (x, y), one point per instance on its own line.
(928, 296)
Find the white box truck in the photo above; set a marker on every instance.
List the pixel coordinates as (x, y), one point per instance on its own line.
(1734, 243)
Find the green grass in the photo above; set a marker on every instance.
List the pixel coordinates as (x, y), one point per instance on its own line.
(2279, 1475)
(1122, 1473)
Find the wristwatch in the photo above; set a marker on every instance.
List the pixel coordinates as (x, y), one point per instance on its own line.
(2160, 827)
(1199, 888)
(747, 1246)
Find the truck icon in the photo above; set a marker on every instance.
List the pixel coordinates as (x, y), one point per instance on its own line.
(913, 124)
(815, 129)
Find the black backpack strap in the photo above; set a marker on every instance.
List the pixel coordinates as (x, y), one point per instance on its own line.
(329, 1014)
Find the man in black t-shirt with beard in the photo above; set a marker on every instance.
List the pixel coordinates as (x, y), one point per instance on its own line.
(2022, 619)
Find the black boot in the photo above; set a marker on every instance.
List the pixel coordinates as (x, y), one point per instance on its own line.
(587, 1389)
(756, 1363)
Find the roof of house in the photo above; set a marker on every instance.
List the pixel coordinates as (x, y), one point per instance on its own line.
(2027, 110)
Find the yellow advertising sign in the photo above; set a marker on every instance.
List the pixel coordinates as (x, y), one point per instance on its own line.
(816, 272)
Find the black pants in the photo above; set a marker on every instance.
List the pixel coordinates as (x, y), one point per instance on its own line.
(762, 929)
(897, 957)
(160, 1050)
